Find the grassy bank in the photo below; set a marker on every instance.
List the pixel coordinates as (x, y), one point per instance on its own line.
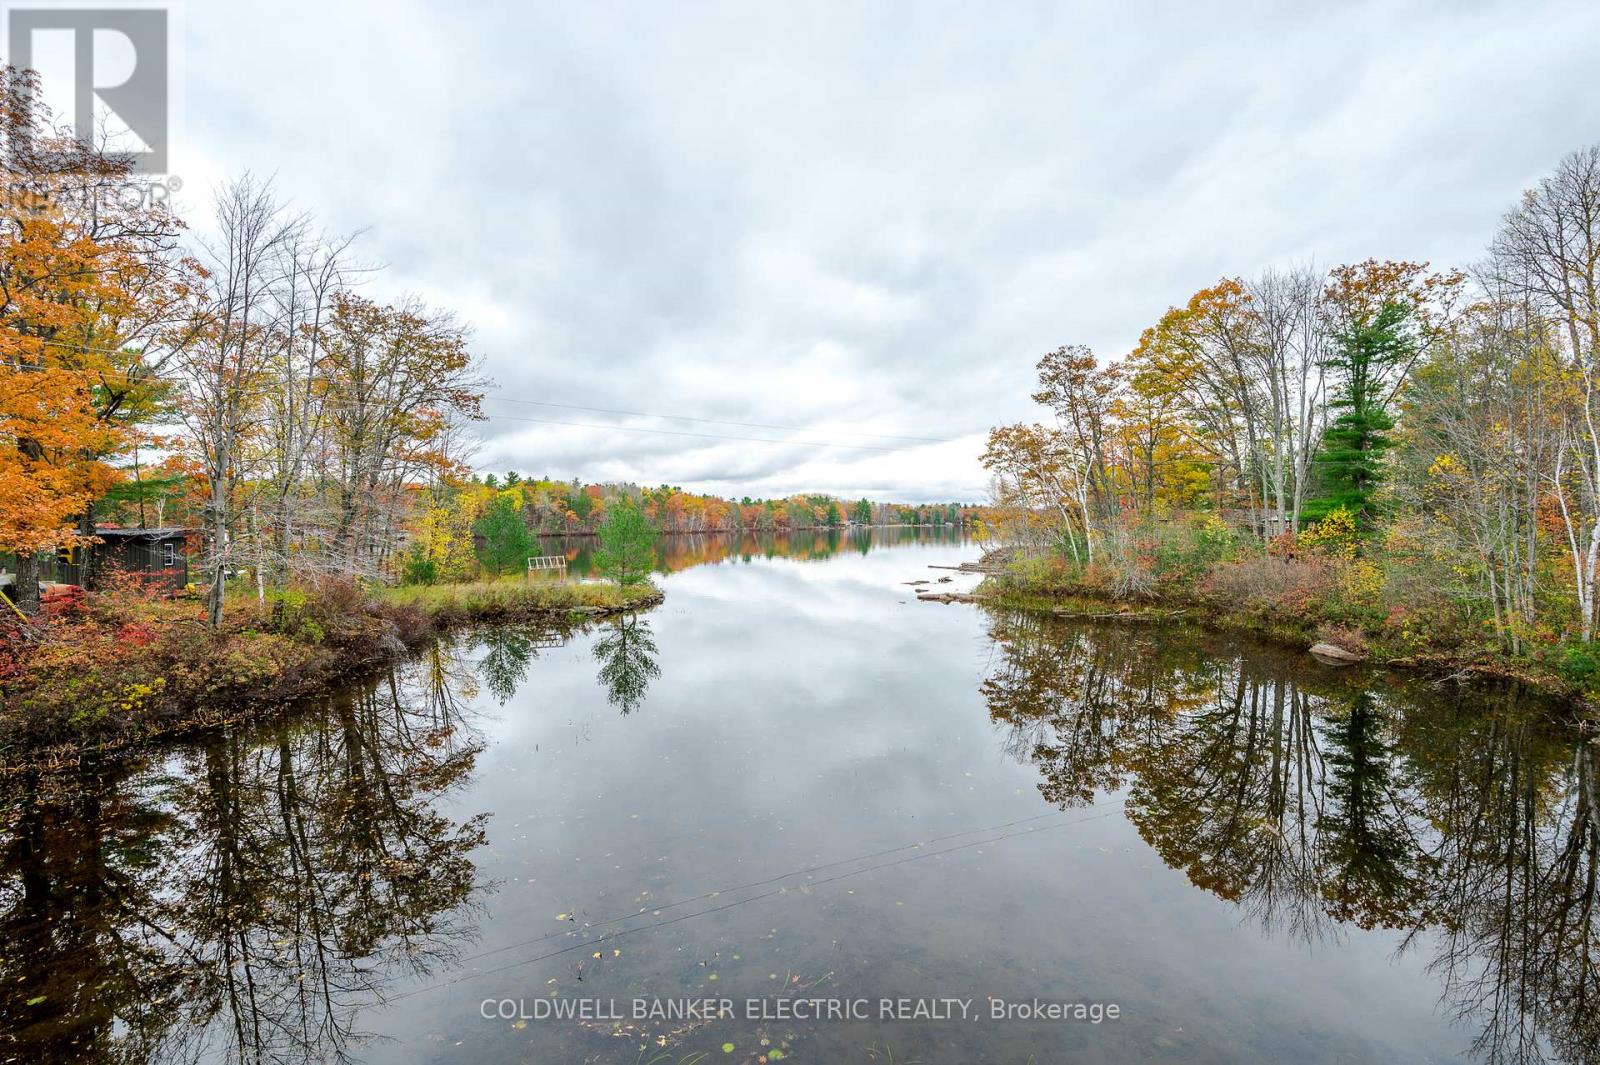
(514, 599)
(103, 672)
(1296, 602)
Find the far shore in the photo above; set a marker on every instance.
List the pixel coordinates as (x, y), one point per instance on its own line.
(758, 532)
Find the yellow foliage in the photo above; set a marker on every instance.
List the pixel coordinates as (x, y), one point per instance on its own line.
(1362, 582)
(1335, 535)
(443, 528)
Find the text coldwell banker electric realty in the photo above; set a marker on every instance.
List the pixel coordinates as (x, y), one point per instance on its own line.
(797, 1009)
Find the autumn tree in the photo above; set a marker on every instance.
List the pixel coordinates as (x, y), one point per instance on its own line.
(1548, 252)
(398, 378)
(1290, 365)
(1065, 467)
(1484, 420)
(1205, 353)
(90, 283)
(312, 270)
(1081, 392)
(225, 366)
(1034, 472)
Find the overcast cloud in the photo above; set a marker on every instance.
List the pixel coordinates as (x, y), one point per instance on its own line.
(860, 218)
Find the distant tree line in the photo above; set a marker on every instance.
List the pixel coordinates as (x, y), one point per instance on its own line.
(554, 507)
(462, 525)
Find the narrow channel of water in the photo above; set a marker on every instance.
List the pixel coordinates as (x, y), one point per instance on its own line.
(794, 785)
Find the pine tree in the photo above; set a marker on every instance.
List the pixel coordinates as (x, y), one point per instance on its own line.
(1349, 464)
(506, 541)
(627, 544)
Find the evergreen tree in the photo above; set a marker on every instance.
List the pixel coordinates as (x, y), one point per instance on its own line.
(506, 540)
(1349, 464)
(627, 544)
(862, 513)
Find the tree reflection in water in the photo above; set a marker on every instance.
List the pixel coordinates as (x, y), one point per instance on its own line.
(626, 650)
(680, 551)
(508, 651)
(1315, 803)
(247, 897)
(627, 656)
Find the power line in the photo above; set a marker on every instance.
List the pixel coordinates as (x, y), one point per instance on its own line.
(611, 936)
(700, 436)
(501, 397)
(345, 405)
(657, 910)
(168, 378)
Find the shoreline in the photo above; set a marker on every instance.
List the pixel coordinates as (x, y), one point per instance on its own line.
(1300, 633)
(589, 534)
(280, 673)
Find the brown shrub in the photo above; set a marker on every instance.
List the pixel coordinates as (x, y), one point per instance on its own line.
(1346, 636)
(1272, 585)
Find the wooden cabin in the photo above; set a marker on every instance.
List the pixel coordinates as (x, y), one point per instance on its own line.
(161, 556)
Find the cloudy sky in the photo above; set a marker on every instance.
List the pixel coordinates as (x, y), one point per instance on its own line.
(859, 218)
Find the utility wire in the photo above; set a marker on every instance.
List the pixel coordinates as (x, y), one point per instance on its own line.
(753, 898)
(700, 436)
(346, 405)
(501, 397)
(770, 880)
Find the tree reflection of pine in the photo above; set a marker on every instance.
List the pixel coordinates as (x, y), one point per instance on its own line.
(248, 897)
(1316, 804)
(508, 650)
(626, 651)
(627, 655)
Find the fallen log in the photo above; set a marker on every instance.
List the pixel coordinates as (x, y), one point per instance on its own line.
(946, 597)
(1335, 655)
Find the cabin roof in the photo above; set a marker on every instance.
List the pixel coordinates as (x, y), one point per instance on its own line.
(112, 532)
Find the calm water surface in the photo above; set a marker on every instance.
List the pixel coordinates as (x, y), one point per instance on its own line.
(793, 782)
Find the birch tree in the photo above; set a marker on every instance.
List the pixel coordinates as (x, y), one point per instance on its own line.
(1549, 247)
(225, 368)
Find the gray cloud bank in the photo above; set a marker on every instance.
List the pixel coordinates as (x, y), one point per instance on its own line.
(862, 218)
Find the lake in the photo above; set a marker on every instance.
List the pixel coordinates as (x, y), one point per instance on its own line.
(795, 815)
